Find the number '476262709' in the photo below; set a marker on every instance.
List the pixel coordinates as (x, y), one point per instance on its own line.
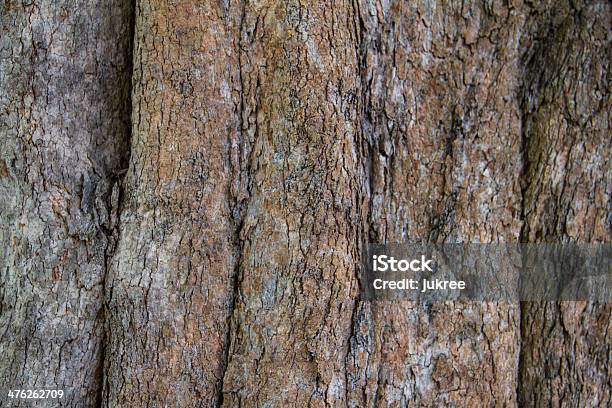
(35, 394)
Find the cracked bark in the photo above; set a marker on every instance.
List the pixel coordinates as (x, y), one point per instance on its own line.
(301, 229)
(443, 123)
(270, 141)
(566, 347)
(64, 125)
(169, 288)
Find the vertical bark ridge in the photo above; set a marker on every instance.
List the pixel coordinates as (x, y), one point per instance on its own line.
(169, 290)
(64, 127)
(566, 357)
(442, 119)
(301, 229)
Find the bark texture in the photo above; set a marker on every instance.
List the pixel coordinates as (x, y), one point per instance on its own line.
(442, 119)
(270, 140)
(301, 230)
(169, 289)
(65, 71)
(566, 347)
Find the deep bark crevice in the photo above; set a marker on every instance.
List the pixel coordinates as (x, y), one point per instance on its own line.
(115, 203)
(240, 201)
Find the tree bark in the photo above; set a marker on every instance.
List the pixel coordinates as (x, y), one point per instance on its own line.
(566, 353)
(65, 73)
(268, 143)
(169, 289)
(302, 227)
(443, 122)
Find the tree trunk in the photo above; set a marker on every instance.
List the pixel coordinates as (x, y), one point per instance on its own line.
(170, 284)
(304, 213)
(566, 354)
(442, 118)
(269, 142)
(65, 73)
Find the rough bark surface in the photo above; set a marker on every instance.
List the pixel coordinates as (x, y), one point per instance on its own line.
(301, 230)
(270, 140)
(566, 354)
(169, 289)
(65, 71)
(442, 117)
